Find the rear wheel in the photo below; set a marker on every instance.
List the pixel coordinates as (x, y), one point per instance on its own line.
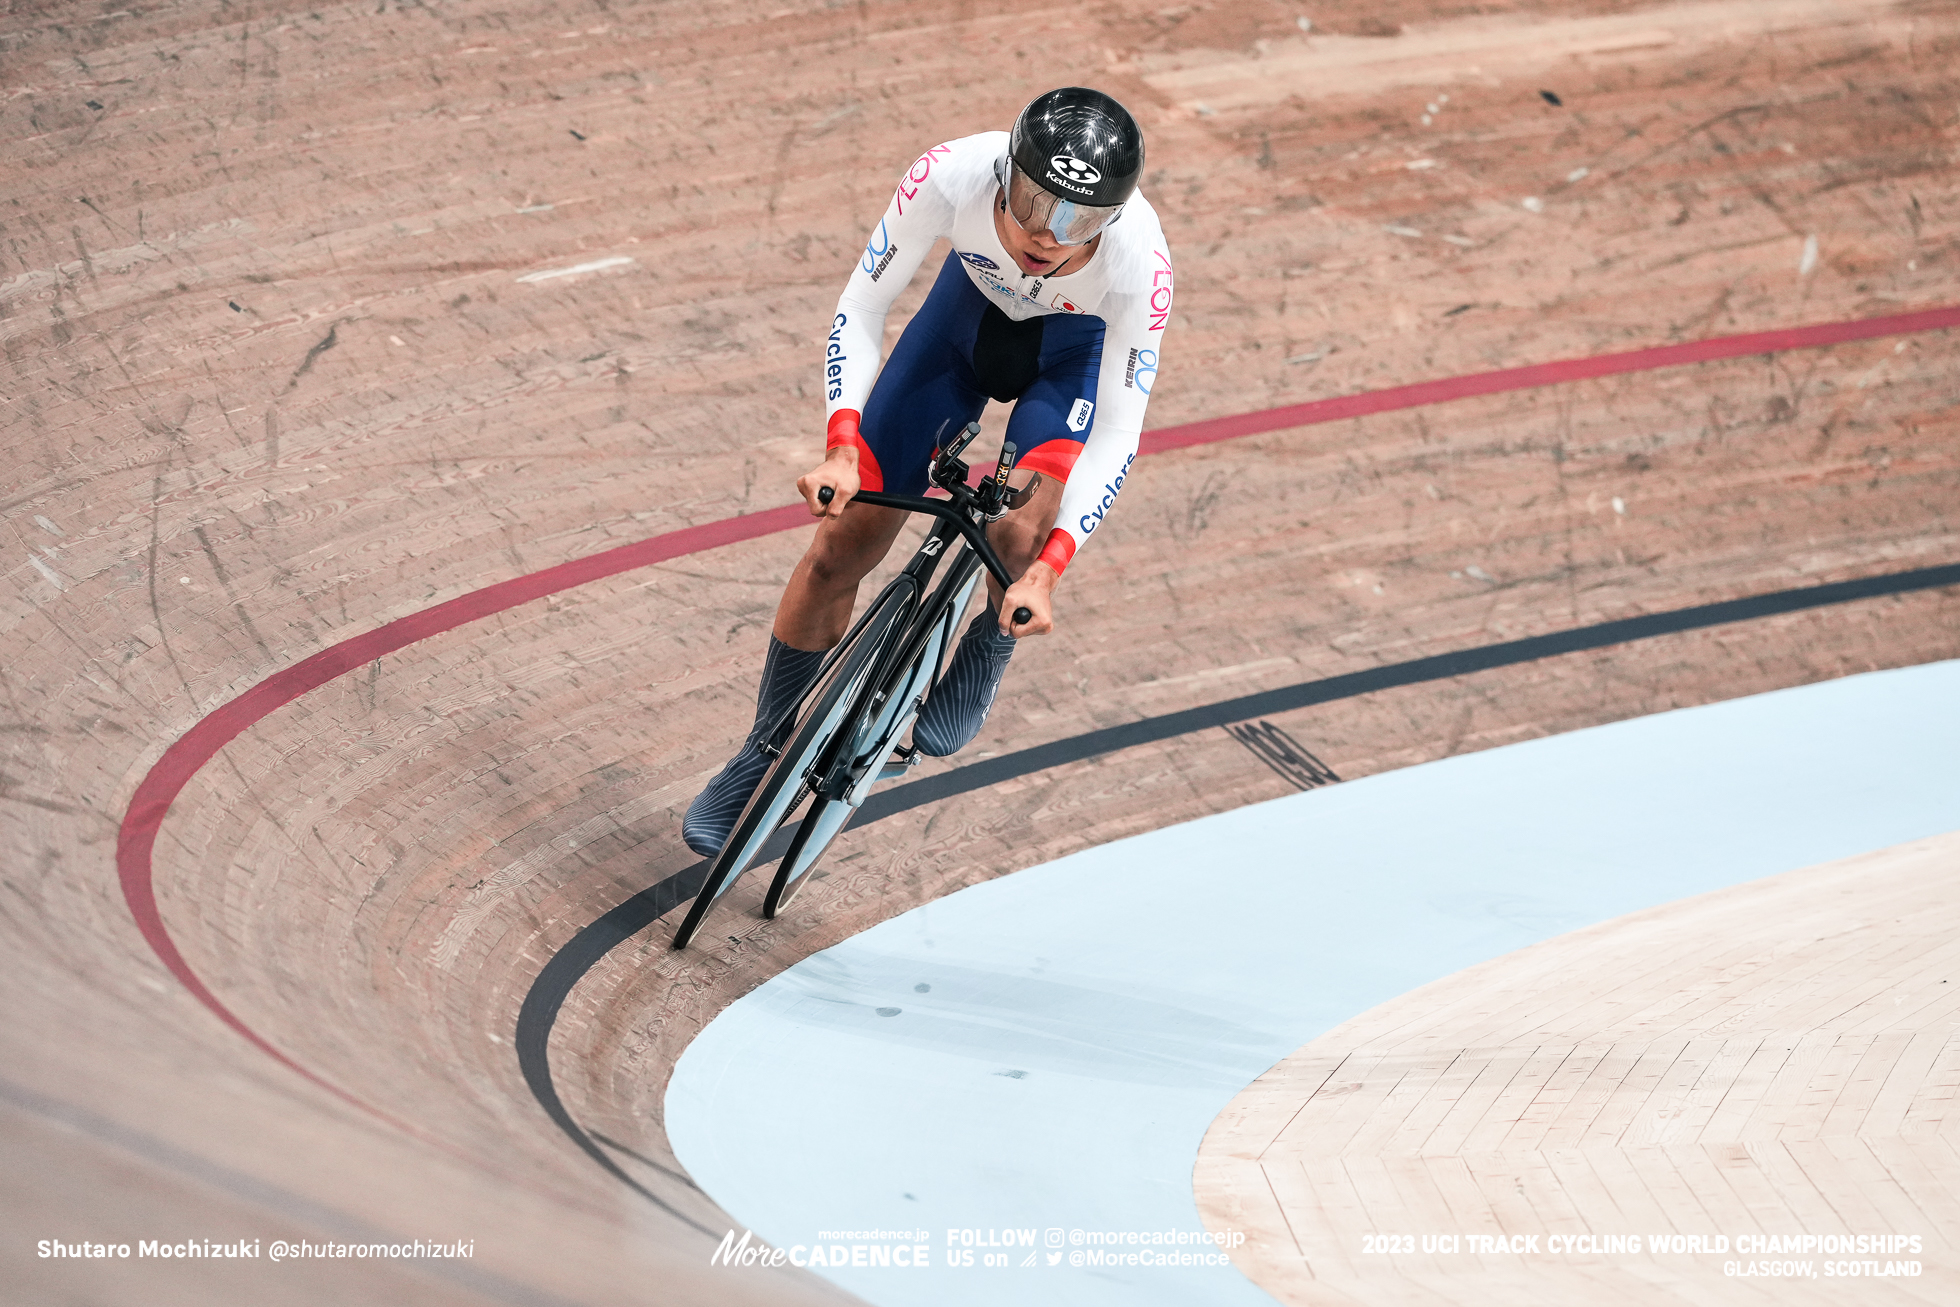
(827, 709)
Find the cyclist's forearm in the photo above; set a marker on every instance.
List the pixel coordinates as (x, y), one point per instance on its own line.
(852, 354)
(1093, 484)
(1131, 354)
(1041, 576)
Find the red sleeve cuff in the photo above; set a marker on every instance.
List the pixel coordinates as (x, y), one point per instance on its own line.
(1058, 551)
(843, 429)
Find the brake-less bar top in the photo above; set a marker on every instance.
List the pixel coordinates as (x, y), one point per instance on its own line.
(947, 510)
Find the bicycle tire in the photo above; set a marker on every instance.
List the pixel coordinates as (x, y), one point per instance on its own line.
(828, 815)
(827, 709)
(823, 823)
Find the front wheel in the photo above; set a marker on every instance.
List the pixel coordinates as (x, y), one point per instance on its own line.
(822, 824)
(828, 708)
(830, 813)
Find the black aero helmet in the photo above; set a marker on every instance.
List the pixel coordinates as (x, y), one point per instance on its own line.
(1080, 147)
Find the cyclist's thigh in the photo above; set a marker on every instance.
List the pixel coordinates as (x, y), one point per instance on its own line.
(1057, 411)
(926, 387)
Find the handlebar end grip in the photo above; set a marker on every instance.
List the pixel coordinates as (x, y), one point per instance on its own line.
(825, 494)
(1022, 616)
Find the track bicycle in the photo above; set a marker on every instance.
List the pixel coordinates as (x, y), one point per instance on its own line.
(843, 735)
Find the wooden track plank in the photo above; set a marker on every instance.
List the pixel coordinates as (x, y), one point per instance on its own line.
(1340, 1107)
(1317, 1197)
(1751, 1090)
(1261, 1118)
(1924, 1173)
(1514, 1099)
(1400, 1114)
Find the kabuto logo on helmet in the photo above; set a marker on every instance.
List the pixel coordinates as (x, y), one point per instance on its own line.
(1075, 170)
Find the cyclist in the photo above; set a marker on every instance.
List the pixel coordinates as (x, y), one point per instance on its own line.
(1056, 296)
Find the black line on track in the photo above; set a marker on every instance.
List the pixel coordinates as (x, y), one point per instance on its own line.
(569, 965)
(644, 1160)
(554, 985)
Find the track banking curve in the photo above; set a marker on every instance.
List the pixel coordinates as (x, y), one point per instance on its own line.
(182, 760)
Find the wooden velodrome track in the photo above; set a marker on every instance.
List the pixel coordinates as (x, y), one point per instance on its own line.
(296, 346)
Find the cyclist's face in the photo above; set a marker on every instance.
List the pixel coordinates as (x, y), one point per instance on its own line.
(1036, 251)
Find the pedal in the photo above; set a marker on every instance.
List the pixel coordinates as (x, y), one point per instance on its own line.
(902, 761)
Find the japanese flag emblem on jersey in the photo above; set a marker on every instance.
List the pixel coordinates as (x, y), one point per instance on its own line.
(1065, 304)
(1078, 417)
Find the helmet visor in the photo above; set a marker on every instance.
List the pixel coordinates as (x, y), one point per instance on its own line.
(1038, 210)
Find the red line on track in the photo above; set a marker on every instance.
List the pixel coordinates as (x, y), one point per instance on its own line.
(1544, 374)
(136, 842)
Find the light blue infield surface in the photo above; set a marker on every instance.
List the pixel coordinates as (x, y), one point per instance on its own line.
(1044, 1052)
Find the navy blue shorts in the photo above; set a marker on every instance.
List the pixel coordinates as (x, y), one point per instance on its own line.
(955, 355)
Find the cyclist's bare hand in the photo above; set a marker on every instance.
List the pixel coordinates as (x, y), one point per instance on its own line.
(839, 471)
(1033, 592)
